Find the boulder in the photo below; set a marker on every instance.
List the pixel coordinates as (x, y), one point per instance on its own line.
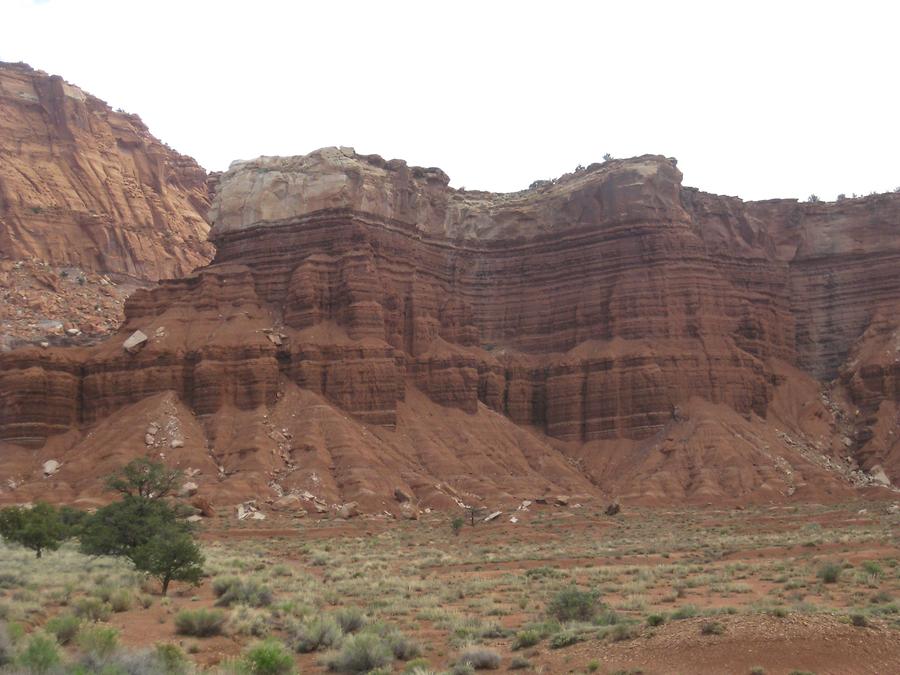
(408, 511)
(492, 516)
(135, 342)
(402, 495)
(879, 477)
(561, 500)
(188, 489)
(50, 467)
(613, 509)
(291, 503)
(348, 510)
(203, 505)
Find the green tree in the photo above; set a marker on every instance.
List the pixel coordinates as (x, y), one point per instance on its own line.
(145, 479)
(143, 527)
(38, 528)
(120, 528)
(170, 555)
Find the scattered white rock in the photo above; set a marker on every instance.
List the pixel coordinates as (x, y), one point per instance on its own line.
(134, 342)
(495, 514)
(249, 509)
(291, 503)
(879, 476)
(513, 520)
(408, 511)
(194, 519)
(176, 443)
(50, 467)
(188, 489)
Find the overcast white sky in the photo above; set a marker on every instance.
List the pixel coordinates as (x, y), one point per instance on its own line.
(757, 99)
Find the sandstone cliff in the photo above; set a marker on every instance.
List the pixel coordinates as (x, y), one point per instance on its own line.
(364, 328)
(83, 185)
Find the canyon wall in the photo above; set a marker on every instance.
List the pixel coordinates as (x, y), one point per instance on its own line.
(83, 185)
(627, 326)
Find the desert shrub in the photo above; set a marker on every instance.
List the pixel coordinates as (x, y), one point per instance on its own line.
(757, 670)
(40, 655)
(456, 524)
(238, 592)
(126, 662)
(269, 658)
(418, 667)
(199, 622)
(361, 653)
(98, 642)
(526, 638)
(829, 573)
(880, 597)
(10, 580)
(402, 647)
(63, 627)
(873, 569)
(712, 628)
(92, 609)
(350, 619)
(622, 632)
(315, 634)
(607, 617)
(248, 621)
(573, 604)
(656, 620)
(544, 573)
(171, 659)
(519, 663)
(462, 669)
(6, 646)
(859, 620)
(222, 585)
(479, 658)
(565, 639)
(684, 612)
(121, 600)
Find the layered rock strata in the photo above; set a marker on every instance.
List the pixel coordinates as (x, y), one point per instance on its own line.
(85, 186)
(619, 314)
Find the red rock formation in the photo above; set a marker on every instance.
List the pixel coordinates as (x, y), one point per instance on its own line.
(635, 327)
(83, 185)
